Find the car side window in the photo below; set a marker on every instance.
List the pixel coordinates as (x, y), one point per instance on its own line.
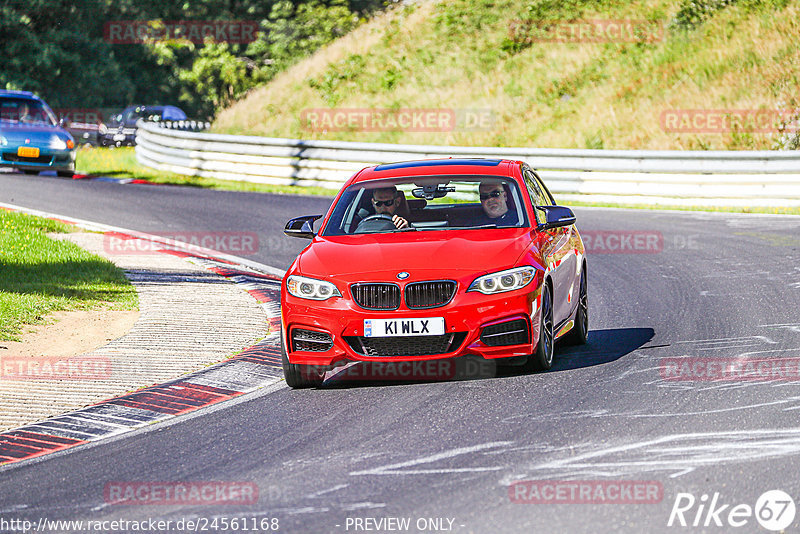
(538, 198)
(550, 201)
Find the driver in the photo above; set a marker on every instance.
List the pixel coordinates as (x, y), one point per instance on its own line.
(387, 201)
(24, 114)
(494, 201)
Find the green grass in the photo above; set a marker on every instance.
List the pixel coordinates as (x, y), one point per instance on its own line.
(122, 163)
(41, 275)
(485, 55)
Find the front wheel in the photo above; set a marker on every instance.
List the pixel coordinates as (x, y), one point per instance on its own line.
(300, 376)
(542, 357)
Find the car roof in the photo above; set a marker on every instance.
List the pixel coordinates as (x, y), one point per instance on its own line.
(169, 112)
(438, 167)
(19, 94)
(152, 107)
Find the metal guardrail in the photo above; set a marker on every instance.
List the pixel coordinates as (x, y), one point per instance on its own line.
(700, 178)
(187, 125)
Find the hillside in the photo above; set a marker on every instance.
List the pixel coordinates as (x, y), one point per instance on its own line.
(498, 59)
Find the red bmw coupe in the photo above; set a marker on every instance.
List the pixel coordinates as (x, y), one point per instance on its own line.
(434, 259)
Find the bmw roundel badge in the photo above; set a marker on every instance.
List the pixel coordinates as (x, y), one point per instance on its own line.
(403, 275)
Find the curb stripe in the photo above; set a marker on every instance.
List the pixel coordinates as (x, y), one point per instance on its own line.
(20, 445)
(255, 367)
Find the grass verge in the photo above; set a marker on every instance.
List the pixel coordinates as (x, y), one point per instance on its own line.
(501, 60)
(42, 275)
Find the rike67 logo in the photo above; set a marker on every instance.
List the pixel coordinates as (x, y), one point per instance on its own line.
(774, 510)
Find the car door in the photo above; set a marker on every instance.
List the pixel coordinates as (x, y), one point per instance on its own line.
(559, 253)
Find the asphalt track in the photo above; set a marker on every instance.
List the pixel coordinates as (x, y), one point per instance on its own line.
(719, 287)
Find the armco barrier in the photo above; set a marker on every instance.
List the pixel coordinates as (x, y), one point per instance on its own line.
(700, 178)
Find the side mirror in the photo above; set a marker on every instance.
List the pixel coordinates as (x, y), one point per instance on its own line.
(301, 226)
(556, 216)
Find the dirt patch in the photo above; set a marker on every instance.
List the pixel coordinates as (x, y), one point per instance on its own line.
(70, 333)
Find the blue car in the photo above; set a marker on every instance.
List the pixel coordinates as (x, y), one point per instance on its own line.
(30, 137)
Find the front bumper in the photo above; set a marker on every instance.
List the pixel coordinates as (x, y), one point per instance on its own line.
(49, 158)
(466, 317)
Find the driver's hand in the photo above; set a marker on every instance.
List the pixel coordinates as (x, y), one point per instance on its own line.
(399, 222)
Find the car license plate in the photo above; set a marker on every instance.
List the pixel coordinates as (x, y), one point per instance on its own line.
(428, 326)
(28, 152)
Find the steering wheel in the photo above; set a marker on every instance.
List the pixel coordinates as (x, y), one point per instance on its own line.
(375, 223)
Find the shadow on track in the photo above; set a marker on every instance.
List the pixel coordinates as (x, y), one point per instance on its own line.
(604, 346)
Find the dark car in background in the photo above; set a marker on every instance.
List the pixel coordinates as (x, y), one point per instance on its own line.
(86, 131)
(121, 130)
(31, 139)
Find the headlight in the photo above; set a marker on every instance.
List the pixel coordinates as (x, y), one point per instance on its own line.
(58, 144)
(503, 281)
(308, 288)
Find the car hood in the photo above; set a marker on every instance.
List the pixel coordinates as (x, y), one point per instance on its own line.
(424, 253)
(15, 132)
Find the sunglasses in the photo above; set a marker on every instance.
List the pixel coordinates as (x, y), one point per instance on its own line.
(387, 203)
(492, 194)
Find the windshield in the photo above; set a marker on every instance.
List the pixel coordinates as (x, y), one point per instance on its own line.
(25, 111)
(429, 203)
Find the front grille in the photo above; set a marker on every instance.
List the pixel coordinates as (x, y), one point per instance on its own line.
(376, 296)
(311, 341)
(406, 346)
(429, 294)
(11, 156)
(508, 333)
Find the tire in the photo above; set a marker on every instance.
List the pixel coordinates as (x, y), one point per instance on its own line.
(542, 357)
(580, 332)
(299, 376)
(30, 171)
(65, 174)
